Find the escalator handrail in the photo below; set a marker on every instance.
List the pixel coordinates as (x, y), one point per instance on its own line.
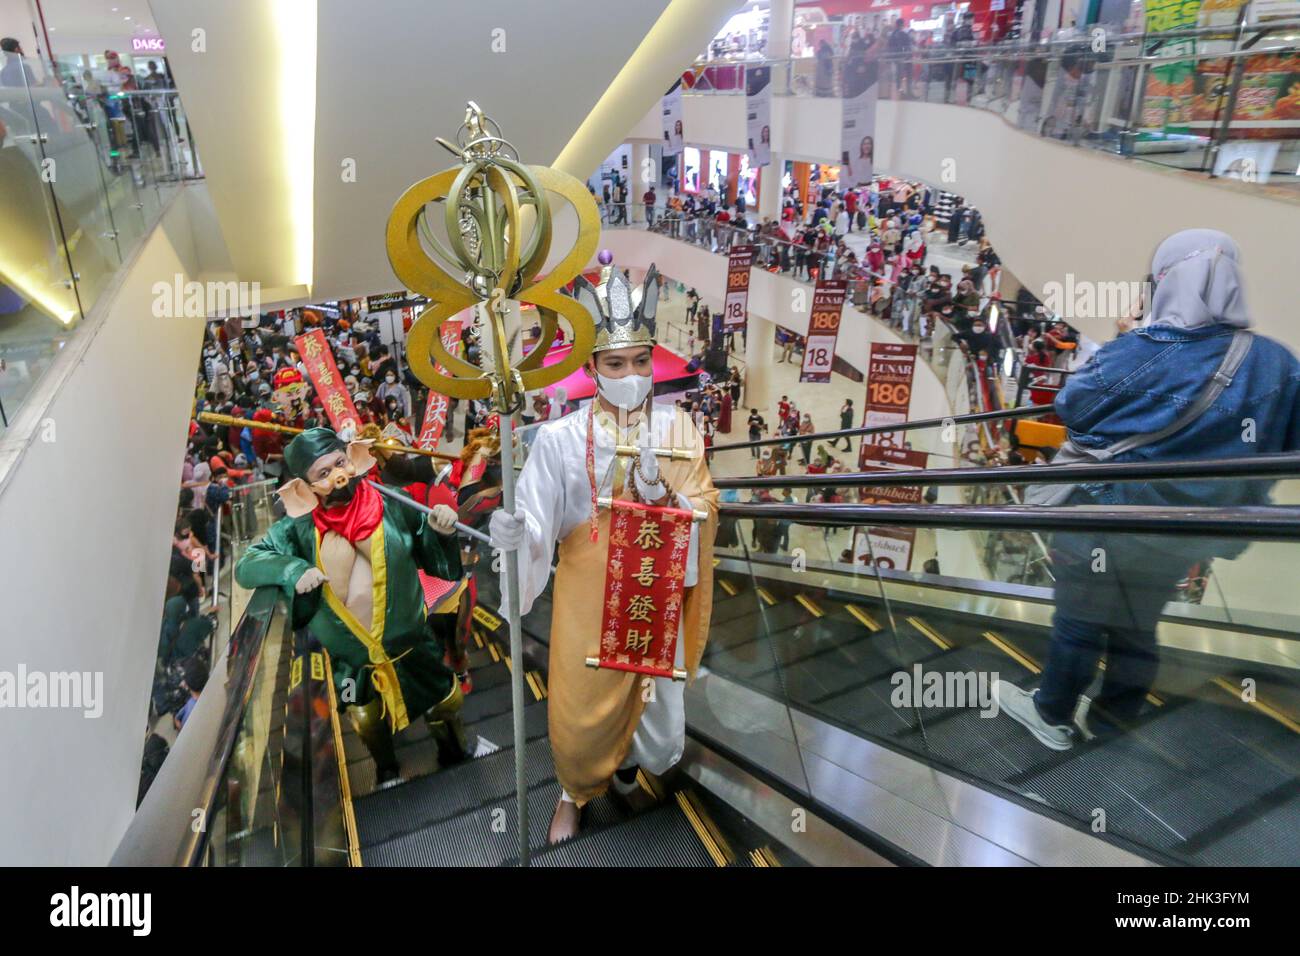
(162, 832)
(1272, 466)
(1027, 411)
(1264, 523)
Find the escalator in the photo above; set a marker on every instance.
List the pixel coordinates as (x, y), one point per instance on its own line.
(464, 814)
(1203, 777)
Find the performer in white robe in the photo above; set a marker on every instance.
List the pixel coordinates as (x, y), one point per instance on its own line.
(607, 723)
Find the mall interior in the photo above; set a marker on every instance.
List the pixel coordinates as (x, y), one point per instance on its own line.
(325, 368)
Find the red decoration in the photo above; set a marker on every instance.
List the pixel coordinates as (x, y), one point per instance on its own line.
(356, 520)
(324, 374)
(644, 588)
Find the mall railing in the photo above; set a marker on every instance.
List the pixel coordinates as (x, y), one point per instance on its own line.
(1226, 111)
(83, 178)
(835, 633)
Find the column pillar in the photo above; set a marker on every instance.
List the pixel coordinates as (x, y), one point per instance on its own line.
(769, 188)
(641, 177)
(780, 23)
(759, 351)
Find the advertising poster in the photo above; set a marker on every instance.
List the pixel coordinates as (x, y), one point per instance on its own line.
(891, 547)
(823, 330)
(735, 311)
(672, 113)
(758, 115)
(889, 394)
(858, 119)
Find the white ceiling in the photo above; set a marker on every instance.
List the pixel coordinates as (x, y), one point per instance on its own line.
(97, 17)
(390, 76)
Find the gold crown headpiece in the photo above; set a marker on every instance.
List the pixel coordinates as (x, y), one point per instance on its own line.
(623, 316)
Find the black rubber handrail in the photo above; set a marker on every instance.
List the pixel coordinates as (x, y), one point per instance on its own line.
(1026, 412)
(1269, 523)
(1277, 466)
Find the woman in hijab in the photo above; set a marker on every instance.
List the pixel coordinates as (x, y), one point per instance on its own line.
(1177, 387)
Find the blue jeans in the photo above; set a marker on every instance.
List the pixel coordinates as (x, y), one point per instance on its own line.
(1111, 608)
(1077, 646)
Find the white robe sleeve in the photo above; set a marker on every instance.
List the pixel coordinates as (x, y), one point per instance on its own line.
(539, 495)
(692, 577)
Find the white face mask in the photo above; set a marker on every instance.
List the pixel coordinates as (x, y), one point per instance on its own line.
(628, 392)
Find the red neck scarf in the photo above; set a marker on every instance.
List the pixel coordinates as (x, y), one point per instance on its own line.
(356, 520)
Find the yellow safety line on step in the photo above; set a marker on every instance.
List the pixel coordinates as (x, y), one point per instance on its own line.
(492, 649)
(727, 586)
(807, 602)
(930, 632)
(649, 786)
(1017, 655)
(1266, 709)
(762, 592)
(528, 678)
(867, 620)
(697, 824)
(478, 639)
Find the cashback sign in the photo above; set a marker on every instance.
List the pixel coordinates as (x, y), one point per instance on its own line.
(823, 330)
(735, 311)
(889, 393)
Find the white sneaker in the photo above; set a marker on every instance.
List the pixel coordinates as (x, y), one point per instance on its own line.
(1081, 717)
(1019, 706)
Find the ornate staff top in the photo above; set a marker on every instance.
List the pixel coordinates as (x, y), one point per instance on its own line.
(492, 253)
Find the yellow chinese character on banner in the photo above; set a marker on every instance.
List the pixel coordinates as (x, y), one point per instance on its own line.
(337, 405)
(640, 608)
(648, 536)
(311, 346)
(646, 576)
(638, 640)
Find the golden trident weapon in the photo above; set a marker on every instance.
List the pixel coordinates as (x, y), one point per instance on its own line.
(496, 253)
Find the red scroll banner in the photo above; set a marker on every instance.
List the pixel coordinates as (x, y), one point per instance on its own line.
(644, 589)
(735, 310)
(435, 409)
(889, 394)
(324, 375)
(823, 330)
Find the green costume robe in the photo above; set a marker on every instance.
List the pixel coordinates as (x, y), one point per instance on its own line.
(394, 655)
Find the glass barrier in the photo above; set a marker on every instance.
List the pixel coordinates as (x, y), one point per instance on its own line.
(83, 177)
(1167, 665)
(1212, 100)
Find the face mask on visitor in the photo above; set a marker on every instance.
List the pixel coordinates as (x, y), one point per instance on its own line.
(627, 392)
(390, 379)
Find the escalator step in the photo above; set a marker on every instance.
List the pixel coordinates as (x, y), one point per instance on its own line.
(500, 729)
(485, 836)
(660, 837)
(483, 704)
(453, 791)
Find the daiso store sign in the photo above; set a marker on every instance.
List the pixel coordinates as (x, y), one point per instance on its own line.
(148, 45)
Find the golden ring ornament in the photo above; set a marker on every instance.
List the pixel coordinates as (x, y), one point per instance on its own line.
(483, 204)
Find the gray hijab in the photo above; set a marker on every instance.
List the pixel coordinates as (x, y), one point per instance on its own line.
(1197, 282)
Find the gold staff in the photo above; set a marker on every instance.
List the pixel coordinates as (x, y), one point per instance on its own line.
(215, 418)
(496, 218)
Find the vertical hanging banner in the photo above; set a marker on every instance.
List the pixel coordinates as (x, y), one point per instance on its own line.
(644, 589)
(758, 114)
(435, 409)
(823, 330)
(889, 547)
(858, 119)
(735, 311)
(889, 393)
(672, 116)
(324, 375)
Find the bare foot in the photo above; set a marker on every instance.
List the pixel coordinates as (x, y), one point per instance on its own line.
(565, 823)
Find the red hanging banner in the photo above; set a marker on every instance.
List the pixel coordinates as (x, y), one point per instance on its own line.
(891, 547)
(324, 375)
(889, 393)
(735, 311)
(435, 409)
(823, 330)
(644, 589)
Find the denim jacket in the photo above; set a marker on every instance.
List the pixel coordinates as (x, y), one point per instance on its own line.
(1142, 381)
